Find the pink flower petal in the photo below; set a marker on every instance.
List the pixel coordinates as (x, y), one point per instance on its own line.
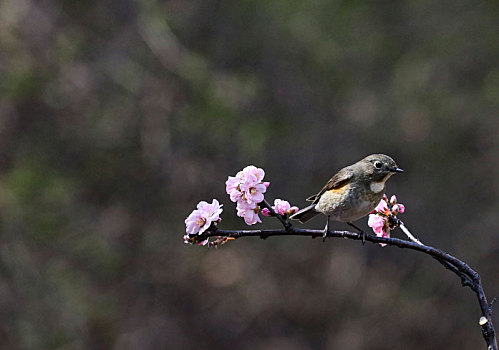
(393, 199)
(251, 218)
(242, 204)
(248, 211)
(281, 206)
(256, 173)
(254, 194)
(377, 223)
(382, 207)
(194, 222)
(200, 219)
(235, 195)
(384, 234)
(232, 184)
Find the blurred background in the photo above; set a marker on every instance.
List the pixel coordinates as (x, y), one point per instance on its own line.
(117, 118)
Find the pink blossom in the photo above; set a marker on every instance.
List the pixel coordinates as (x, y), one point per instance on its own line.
(200, 219)
(382, 207)
(236, 196)
(247, 185)
(211, 211)
(243, 205)
(393, 208)
(377, 223)
(232, 187)
(383, 218)
(194, 222)
(249, 212)
(384, 234)
(252, 174)
(283, 207)
(280, 207)
(251, 217)
(253, 193)
(232, 184)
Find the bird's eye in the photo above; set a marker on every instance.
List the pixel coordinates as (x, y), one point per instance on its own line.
(378, 164)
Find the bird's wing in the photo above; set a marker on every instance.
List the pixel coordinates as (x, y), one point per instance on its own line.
(338, 180)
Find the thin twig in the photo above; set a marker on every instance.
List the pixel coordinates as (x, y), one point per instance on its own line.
(408, 234)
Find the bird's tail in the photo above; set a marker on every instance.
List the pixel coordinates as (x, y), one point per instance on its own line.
(305, 214)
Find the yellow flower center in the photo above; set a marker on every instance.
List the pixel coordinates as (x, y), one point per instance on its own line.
(201, 222)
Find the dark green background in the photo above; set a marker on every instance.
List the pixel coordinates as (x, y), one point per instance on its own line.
(117, 117)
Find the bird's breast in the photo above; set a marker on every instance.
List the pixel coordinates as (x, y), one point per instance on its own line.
(348, 203)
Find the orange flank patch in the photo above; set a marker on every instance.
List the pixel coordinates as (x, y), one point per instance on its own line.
(339, 190)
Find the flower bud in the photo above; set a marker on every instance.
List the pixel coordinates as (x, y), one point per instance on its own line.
(266, 212)
(393, 200)
(395, 209)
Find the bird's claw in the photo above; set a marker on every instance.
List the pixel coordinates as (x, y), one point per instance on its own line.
(326, 230)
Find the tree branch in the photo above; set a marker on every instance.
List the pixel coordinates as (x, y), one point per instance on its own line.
(468, 276)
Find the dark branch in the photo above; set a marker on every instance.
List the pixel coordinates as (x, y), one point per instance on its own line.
(468, 276)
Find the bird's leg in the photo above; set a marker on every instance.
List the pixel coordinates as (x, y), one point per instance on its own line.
(362, 233)
(326, 230)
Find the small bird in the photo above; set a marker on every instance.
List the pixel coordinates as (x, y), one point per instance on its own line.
(352, 193)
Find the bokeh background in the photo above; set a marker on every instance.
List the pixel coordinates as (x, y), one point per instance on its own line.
(117, 117)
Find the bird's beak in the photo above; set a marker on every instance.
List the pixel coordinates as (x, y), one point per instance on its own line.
(397, 170)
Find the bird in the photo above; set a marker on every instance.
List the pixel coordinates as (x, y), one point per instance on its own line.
(352, 193)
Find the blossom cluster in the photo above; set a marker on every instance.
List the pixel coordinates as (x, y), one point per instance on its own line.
(246, 189)
(383, 218)
(201, 219)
